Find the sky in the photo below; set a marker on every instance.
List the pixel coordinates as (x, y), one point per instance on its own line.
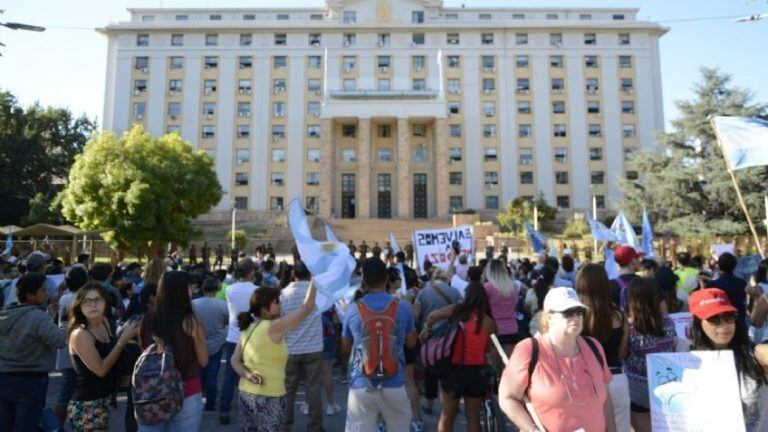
(65, 66)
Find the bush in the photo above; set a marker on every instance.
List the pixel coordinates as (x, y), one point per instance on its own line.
(576, 229)
(241, 239)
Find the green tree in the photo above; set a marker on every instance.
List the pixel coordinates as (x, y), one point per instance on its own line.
(576, 229)
(241, 239)
(685, 184)
(141, 191)
(520, 210)
(37, 147)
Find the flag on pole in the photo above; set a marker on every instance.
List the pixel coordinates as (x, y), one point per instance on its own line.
(393, 243)
(329, 235)
(600, 232)
(647, 248)
(329, 262)
(536, 239)
(624, 232)
(744, 141)
(8, 242)
(611, 267)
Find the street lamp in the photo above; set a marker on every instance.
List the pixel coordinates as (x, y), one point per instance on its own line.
(20, 26)
(749, 18)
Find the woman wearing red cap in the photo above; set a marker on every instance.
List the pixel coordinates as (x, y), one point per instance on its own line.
(716, 327)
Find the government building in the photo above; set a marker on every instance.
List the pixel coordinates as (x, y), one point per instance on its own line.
(395, 108)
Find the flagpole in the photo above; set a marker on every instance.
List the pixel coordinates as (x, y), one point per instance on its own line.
(738, 190)
(535, 217)
(594, 217)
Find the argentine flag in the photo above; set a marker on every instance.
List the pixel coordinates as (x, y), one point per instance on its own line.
(647, 236)
(537, 240)
(624, 232)
(601, 232)
(744, 141)
(329, 262)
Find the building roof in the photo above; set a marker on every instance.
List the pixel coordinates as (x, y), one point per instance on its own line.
(42, 230)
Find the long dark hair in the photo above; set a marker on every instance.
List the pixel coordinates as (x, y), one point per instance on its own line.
(761, 275)
(475, 300)
(261, 298)
(594, 289)
(543, 283)
(173, 307)
(644, 307)
(740, 345)
(76, 317)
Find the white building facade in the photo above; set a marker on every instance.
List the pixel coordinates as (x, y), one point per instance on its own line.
(395, 108)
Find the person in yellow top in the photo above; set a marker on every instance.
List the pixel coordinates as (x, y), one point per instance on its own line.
(686, 274)
(261, 355)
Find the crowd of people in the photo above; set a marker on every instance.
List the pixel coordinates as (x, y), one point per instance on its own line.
(572, 342)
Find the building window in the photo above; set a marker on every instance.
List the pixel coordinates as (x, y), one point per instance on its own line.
(456, 203)
(249, 17)
(559, 131)
(523, 85)
(283, 17)
(556, 39)
(142, 63)
(211, 62)
(278, 86)
(590, 61)
(276, 204)
(597, 177)
(182, 17)
(455, 178)
(348, 155)
(523, 107)
(384, 131)
(556, 61)
(526, 155)
(561, 154)
(244, 86)
(526, 177)
(281, 39)
(454, 108)
(492, 202)
(384, 155)
(246, 39)
(278, 109)
(590, 39)
(349, 84)
(315, 62)
(558, 107)
(551, 16)
(349, 131)
(241, 203)
(349, 63)
(211, 40)
(139, 109)
(177, 62)
(315, 39)
(313, 179)
(600, 201)
(489, 108)
(142, 40)
(489, 131)
(313, 131)
(486, 39)
(349, 17)
(243, 109)
(209, 109)
(629, 153)
(484, 16)
(277, 179)
(349, 39)
(209, 131)
(491, 179)
(313, 155)
(524, 131)
(623, 38)
(214, 17)
(521, 61)
(592, 85)
(174, 86)
(139, 86)
(417, 38)
(242, 156)
(558, 85)
(384, 84)
(628, 107)
(383, 39)
(585, 17)
(315, 85)
(419, 84)
(593, 107)
(243, 131)
(489, 85)
(174, 109)
(280, 62)
(627, 86)
(417, 62)
(451, 16)
(490, 154)
(452, 39)
(313, 109)
(241, 179)
(625, 62)
(454, 86)
(417, 17)
(618, 17)
(454, 131)
(245, 62)
(171, 129)
(595, 130)
(563, 201)
(454, 155)
(595, 154)
(632, 175)
(521, 39)
(628, 130)
(561, 177)
(384, 62)
(177, 40)
(454, 61)
(313, 204)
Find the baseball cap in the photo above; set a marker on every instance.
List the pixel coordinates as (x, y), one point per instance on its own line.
(561, 299)
(708, 302)
(35, 260)
(133, 266)
(624, 255)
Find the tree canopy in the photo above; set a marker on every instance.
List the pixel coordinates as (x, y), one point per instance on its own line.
(520, 210)
(142, 191)
(37, 147)
(684, 183)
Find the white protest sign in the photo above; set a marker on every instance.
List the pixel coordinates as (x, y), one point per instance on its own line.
(682, 322)
(694, 391)
(718, 249)
(435, 245)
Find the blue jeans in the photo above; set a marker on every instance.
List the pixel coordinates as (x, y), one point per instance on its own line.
(21, 402)
(231, 379)
(186, 420)
(209, 375)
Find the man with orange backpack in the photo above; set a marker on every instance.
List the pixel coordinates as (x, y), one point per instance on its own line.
(378, 327)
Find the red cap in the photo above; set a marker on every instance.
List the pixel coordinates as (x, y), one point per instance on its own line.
(708, 302)
(624, 255)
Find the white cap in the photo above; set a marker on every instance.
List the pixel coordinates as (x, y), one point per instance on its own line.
(567, 251)
(561, 299)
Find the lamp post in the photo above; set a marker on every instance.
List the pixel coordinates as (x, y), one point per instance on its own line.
(234, 215)
(594, 216)
(750, 18)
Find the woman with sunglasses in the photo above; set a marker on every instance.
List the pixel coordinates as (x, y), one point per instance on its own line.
(649, 333)
(566, 382)
(261, 355)
(716, 327)
(94, 351)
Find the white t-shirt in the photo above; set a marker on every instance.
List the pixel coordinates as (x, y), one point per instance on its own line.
(238, 300)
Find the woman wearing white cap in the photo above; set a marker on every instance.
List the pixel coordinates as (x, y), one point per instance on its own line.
(562, 373)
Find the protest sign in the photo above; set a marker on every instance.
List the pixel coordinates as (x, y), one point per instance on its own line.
(718, 249)
(435, 245)
(747, 266)
(694, 391)
(682, 322)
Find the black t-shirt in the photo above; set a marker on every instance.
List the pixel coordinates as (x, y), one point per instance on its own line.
(616, 287)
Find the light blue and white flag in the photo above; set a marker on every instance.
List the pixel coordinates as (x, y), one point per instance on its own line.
(329, 235)
(647, 236)
(8, 243)
(393, 243)
(744, 141)
(552, 250)
(611, 266)
(536, 239)
(624, 232)
(600, 232)
(329, 262)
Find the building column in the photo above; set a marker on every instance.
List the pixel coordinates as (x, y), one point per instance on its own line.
(363, 198)
(441, 167)
(404, 186)
(328, 160)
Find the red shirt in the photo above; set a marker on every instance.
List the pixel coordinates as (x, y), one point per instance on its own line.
(476, 344)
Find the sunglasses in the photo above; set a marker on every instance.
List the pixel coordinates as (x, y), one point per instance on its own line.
(576, 312)
(725, 318)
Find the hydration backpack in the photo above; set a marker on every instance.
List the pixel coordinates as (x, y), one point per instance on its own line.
(378, 331)
(158, 391)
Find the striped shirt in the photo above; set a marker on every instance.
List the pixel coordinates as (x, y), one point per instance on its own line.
(307, 337)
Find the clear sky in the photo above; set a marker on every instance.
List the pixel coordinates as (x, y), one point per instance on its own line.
(65, 65)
